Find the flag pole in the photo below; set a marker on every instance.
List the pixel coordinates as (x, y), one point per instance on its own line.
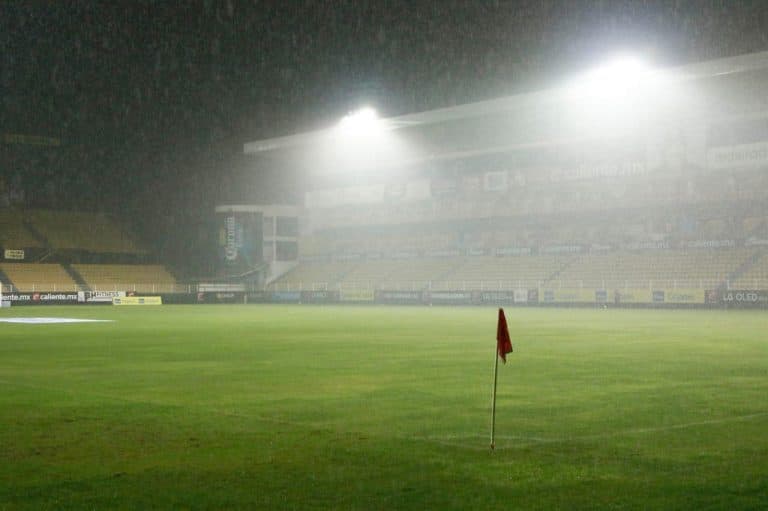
(493, 400)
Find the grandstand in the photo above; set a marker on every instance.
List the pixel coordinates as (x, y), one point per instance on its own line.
(755, 276)
(704, 269)
(38, 277)
(145, 278)
(14, 234)
(545, 191)
(39, 247)
(93, 232)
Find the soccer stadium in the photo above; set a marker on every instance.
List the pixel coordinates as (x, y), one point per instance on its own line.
(340, 347)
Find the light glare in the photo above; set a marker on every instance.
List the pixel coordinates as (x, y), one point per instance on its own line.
(361, 122)
(618, 78)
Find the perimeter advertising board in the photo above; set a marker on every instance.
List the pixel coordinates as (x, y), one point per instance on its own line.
(98, 296)
(632, 296)
(517, 296)
(756, 298)
(319, 296)
(399, 297)
(40, 298)
(567, 295)
(356, 295)
(137, 300)
(448, 297)
(683, 296)
(286, 296)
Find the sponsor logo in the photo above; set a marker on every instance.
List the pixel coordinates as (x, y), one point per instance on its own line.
(745, 296)
(230, 252)
(48, 321)
(137, 300)
(13, 254)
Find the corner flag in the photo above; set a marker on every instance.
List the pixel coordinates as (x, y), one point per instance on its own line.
(503, 341)
(503, 346)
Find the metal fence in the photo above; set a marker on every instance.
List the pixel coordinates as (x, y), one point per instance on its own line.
(509, 285)
(146, 287)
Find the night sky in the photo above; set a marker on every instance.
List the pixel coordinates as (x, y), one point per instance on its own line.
(153, 99)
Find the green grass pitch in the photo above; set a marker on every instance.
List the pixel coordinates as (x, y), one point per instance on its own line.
(302, 407)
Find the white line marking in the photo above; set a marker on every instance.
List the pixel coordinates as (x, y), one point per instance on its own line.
(448, 440)
(48, 321)
(532, 440)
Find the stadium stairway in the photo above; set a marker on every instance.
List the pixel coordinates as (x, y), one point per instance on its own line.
(75, 275)
(449, 272)
(39, 236)
(344, 274)
(743, 268)
(5, 280)
(555, 274)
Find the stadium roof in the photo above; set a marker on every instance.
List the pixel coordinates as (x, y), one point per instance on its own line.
(474, 128)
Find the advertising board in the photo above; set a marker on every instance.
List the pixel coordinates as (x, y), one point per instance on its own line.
(448, 297)
(744, 298)
(632, 296)
(684, 296)
(356, 295)
(137, 300)
(286, 296)
(567, 295)
(13, 254)
(98, 296)
(496, 297)
(40, 298)
(319, 296)
(399, 297)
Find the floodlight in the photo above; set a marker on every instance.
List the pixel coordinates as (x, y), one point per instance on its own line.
(362, 122)
(617, 78)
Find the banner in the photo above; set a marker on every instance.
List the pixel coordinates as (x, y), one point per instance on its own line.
(561, 249)
(319, 296)
(36, 140)
(17, 255)
(98, 296)
(567, 295)
(286, 296)
(495, 297)
(448, 297)
(707, 243)
(356, 295)
(220, 297)
(619, 296)
(257, 297)
(41, 298)
(742, 155)
(745, 298)
(241, 241)
(137, 300)
(513, 251)
(443, 253)
(399, 297)
(679, 296)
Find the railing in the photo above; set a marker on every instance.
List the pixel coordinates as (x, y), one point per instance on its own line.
(146, 287)
(509, 285)
(414, 285)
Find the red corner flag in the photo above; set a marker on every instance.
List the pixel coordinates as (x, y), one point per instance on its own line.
(503, 342)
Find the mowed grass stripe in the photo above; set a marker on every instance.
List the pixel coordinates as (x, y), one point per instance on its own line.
(356, 408)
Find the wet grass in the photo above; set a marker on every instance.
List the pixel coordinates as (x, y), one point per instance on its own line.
(299, 407)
